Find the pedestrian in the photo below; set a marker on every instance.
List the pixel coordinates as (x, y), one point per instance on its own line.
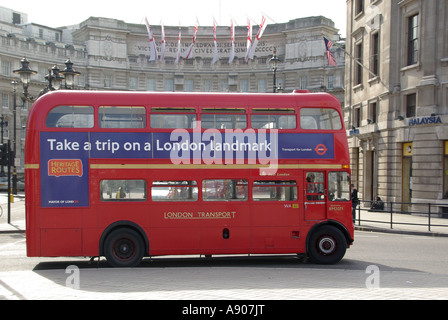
(355, 201)
(378, 204)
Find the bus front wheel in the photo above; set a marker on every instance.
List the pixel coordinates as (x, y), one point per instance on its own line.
(327, 245)
(124, 248)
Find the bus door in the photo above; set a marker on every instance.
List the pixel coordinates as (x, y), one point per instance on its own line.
(314, 199)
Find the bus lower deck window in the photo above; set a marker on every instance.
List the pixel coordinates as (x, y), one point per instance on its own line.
(123, 190)
(277, 190)
(224, 190)
(174, 191)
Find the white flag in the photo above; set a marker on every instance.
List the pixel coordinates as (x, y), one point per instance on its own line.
(152, 43)
(178, 45)
(162, 53)
(232, 33)
(249, 38)
(259, 34)
(189, 52)
(215, 53)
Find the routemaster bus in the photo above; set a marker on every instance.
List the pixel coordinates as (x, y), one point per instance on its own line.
(129, 175)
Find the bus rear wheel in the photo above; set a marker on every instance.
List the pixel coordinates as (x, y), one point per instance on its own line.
(327, 245)
(124, 248)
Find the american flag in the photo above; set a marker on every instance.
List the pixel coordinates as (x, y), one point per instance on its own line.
(330, 57)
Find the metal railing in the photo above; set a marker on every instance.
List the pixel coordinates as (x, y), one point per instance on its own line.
(420, 214)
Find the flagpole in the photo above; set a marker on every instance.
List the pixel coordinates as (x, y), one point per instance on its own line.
(363, 66)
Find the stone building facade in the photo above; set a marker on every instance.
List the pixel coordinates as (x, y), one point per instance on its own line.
(396, 102)
(111, 54)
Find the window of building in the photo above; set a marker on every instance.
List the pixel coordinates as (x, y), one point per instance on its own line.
(262, 85)
(6, 68)
(413, 37)
(122, 117)
(174, 191)
(330, 82)
(123, 190)
(445, 171)
(151, 84)
(70, 117)
(224, 190)
(244, 86)
(189, 85)
(375, 55)
(108, 81)
(304, 82)
(169, 85)
(358, 63)
(274, 190)
(5, 100)
(133, 83)
(16, 18)
(411, 105)
(224, 85)
(373, 112)
(357, 116)
(359, 7)
(207, 85)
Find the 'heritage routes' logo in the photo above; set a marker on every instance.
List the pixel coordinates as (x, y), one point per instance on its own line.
(66, 168)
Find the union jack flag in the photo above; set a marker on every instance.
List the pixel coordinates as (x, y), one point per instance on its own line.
(330, 57)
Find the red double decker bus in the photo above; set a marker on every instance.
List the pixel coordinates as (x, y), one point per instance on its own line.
(129, 175)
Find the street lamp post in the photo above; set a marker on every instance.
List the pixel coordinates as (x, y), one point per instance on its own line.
(55, 77)
(25, 76)
(14, 170)
(274, 65)
(69, 74)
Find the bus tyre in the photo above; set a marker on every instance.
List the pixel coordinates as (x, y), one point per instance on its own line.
(124, 248)
(327, 245)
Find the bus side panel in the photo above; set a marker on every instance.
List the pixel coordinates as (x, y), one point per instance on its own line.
(61, 242)
(32, 236)
(173, 228)
(225, 227)
(276, 226)
(61, 232)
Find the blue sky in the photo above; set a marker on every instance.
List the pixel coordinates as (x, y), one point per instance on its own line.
(171, 12)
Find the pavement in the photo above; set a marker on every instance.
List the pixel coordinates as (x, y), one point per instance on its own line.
(199, 285)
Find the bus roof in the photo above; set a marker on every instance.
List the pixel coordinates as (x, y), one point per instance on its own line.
(50, 100)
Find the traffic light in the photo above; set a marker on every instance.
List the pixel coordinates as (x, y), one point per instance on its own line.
(4, 154)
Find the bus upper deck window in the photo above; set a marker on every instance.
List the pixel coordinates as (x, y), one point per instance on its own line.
(320, 119)
(70, 117)
(122, 117)
(273, 119)
(223, 119)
